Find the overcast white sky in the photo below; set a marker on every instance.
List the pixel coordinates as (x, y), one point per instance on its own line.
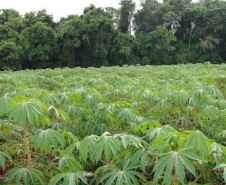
(57, 8)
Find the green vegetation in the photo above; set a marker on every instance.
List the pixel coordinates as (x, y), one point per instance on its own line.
(130, 125)
(172, 32)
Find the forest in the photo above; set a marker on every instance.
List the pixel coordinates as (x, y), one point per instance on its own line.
(172, 32)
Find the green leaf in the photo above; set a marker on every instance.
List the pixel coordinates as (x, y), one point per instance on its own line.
(27, 111)
(129, 140)
(88, 147)
(3, 156)
(158, 132)
(199, 142)
(142, 127)
(187, 164)
(169, 169)
(51, 98)
(108, 145)
(60, 114)
(160, 166)
(68, 163)
(5, 103)
(127, 115)
(48, 138)
(69, 178)
(174, 160)
(25, 175)
(180, 97)
(118, 174)
(69, 149)
(141, 156)
(179, 169)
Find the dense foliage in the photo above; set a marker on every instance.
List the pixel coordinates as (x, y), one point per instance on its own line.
(172, 32)
(130, 125)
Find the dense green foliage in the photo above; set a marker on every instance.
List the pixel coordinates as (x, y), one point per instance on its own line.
(172, 32)
(129, 125)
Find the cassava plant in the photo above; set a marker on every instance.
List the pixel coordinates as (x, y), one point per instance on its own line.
(129, 125)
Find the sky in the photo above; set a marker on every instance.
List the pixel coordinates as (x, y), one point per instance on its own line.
(57, 8)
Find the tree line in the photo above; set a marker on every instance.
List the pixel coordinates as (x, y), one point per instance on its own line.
(172, 32)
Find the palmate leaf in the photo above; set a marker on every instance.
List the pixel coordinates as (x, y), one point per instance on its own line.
(165, 95)
(79, 92)
(142, 127)
(211, 110)
(92, 99)
(65, 97)
(118, 174)
(182, 120)
(103, 112)
(107, 145)
(213, 90)
(198, 93)
(29, 176)
(221, 134)
(27, 111)
(51, 98)
(69, 149)
(175, 161)
(199, 143)
(68, 162)
(209, 100)
(69, 178)
(158, 132)
(57, 126)
(49, 138)
(5, 103)
(180, 97)
(141, 157)
(167, 141)
(60, 114)
(126, 114)
(129, 140)
(69, 137)
(76, 111)
(3, 156)
(30, 92)
(152, 98)
(88, 147)
(218, 152)
(221, 103)
(161, 103)
(194, 102)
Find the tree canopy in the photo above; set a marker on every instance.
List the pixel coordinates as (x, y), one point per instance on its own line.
(172, 32)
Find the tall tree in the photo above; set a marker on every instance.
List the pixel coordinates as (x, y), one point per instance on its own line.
(9, 56)
(157, 45)
(6, 14)
(6, 33)
(126, 14)
(70, 38)
(39, 16)
(145, 18)
(121, 50)
(39, 46)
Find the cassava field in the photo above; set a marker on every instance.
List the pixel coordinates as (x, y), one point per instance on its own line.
(130, 125)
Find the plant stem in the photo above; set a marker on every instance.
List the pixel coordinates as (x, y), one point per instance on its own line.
(27, 154)
(197, 178)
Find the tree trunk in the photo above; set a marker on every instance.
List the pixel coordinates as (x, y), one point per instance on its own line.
(189, 42)
(71, 63)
